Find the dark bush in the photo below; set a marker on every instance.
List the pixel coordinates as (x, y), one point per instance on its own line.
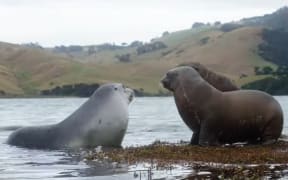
(150, 47)
(217, 23)
(75, 48)
(271, 85)
(276, 84)
(136, 44)
(124, 57)
(204, 40)
(2, 93)
(166, 33)
(275, 47)
(81, 90)
(227, 27)
(198, 25)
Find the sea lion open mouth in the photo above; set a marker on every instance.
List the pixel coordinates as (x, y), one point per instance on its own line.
(130, 94)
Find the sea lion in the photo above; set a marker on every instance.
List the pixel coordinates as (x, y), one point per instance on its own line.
(217, 80)
(101, 120)
(220, 82)
(217, 117)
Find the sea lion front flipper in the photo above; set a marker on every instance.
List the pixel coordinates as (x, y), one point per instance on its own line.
(195, 138)
(207, 137)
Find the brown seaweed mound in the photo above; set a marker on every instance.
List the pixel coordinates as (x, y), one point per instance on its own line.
(225, 162)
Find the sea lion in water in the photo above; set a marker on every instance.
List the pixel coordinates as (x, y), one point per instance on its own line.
(217, 80)
(101, 120)
(217, 117)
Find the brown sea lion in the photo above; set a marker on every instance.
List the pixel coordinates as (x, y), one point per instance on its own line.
(217, 117)
(217, 80)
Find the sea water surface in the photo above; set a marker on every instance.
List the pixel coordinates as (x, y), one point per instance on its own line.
(151, 119)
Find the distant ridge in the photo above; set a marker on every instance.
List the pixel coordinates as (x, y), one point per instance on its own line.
(276, 20)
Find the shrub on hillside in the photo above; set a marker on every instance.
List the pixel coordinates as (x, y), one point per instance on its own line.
(217, 23)
(136, 44)
(198, 25)
(81, 90)
(275, 47)
(227, 27)
(271, 85)
(204, 40)
(124, 57)
(276, 83)
(150, 47)
(166, 33)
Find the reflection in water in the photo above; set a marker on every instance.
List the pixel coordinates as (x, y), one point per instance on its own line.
(150, 119)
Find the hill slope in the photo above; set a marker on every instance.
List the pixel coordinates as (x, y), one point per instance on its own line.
(233, 51)
(29, 70)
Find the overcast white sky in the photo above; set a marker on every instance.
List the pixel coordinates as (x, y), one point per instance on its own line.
(84, 22)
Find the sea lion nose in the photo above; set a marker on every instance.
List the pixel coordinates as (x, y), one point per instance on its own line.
(164, 81)
(131, 97)
(131, 94)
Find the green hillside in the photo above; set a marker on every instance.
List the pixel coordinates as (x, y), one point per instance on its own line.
(28, 70)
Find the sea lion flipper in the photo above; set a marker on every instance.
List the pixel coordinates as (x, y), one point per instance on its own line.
(207, 137)
(195, 138)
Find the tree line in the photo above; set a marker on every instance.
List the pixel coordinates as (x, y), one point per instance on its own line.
(276, 82)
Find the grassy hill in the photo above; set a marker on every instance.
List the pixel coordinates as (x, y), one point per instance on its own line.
(28, 70)
(231, 53)
(8, 82)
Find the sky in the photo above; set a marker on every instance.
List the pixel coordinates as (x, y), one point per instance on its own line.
(86, 22)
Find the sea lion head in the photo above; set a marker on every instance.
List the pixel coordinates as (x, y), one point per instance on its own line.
(217, 80)
(112, 89)
(176, 77)
(202, 70)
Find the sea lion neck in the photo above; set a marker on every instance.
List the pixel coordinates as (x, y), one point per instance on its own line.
(188, 92)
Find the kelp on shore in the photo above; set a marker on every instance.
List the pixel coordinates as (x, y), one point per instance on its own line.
(227, 162)
(175, 153)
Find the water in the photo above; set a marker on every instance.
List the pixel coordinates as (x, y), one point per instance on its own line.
(150, 119)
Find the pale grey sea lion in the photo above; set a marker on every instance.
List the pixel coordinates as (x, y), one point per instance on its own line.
(217, 117)
(101, 121)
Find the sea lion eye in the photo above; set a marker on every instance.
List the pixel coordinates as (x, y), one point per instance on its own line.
(115, 88)
(195, 66)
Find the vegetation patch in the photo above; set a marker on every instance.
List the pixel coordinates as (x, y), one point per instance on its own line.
(275, 46)
(227, 27)
(86, 90)
(124, 57)
(150, 47)
(275, 82)
(80, 90)
(204, 40)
